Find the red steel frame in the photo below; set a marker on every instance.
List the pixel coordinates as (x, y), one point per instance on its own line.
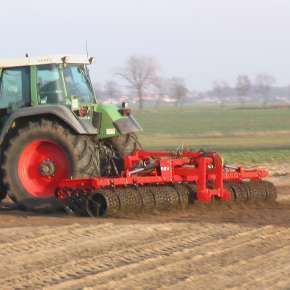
(204, 169)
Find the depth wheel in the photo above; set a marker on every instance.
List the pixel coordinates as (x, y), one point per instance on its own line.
(39, 157)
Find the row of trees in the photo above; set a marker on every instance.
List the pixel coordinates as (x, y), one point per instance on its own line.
(142, 78)
(246, 90)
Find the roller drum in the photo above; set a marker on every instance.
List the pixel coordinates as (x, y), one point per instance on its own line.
(271, 190)
(173, 196)
(183, 194)
(130, 199)
(148, 200)
(259, 190)
(103, 202)
(250, 190)
(228, 186)
(192, 192)
(165, 197)
(240, 192)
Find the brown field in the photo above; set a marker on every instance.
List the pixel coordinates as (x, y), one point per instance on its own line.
(206, 247)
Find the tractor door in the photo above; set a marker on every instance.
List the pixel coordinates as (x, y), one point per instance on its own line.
(50, 87)
(15, 88)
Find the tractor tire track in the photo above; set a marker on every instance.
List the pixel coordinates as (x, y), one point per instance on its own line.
(62, 267)
(163, 273)
(248, 273)
(65, 269)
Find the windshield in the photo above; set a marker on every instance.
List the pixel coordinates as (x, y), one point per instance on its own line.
(78, 83)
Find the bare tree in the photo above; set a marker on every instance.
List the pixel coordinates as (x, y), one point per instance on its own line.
(112, 90)
(162, 88)
(178, 90)
(140, 72)
(243, 88)
(264, 83)
(220, 89)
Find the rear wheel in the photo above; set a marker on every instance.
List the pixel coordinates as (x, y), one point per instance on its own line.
(39, 157)
(126, 144)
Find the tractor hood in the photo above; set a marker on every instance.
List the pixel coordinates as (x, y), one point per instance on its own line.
(106, 120)
(114, 122)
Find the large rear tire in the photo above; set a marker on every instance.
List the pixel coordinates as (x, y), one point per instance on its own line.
(39, 156)
(126, 144)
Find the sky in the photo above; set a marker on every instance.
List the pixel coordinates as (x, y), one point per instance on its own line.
(200, 40)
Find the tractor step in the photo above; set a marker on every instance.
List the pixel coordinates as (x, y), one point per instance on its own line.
(160, 181)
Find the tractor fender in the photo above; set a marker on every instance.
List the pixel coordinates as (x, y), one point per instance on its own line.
(60, 111)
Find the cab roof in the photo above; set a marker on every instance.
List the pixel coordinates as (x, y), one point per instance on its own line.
(50, 59)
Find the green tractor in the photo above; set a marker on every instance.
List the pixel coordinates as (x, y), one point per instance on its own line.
(52, 128)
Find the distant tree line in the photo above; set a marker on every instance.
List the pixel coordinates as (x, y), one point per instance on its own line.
(143, 80)
(246, 91)
(140, 80)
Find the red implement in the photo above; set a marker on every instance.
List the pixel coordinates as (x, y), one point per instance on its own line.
(205, 170)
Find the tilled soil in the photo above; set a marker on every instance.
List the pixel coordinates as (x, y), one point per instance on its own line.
(215, 246)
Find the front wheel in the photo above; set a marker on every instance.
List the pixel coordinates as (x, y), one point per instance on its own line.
(126, 144)
(39, 157)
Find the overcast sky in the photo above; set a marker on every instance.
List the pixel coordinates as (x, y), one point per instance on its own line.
(200, 40)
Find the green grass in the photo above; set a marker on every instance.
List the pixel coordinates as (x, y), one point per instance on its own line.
(269, 155)
(241, 135)
(202, 120)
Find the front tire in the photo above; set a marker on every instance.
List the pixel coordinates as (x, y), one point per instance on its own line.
(40, 156)
(126, 144)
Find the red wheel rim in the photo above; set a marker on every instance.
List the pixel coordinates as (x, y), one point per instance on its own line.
(41, 166)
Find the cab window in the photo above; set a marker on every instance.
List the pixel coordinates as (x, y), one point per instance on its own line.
(78, 84)
(49, 84)
(15, 87)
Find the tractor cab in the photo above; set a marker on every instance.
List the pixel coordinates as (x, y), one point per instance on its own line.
(57, 84)
(67, 84)
(46, 81)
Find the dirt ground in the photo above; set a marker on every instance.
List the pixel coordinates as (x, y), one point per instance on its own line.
(206, 247)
